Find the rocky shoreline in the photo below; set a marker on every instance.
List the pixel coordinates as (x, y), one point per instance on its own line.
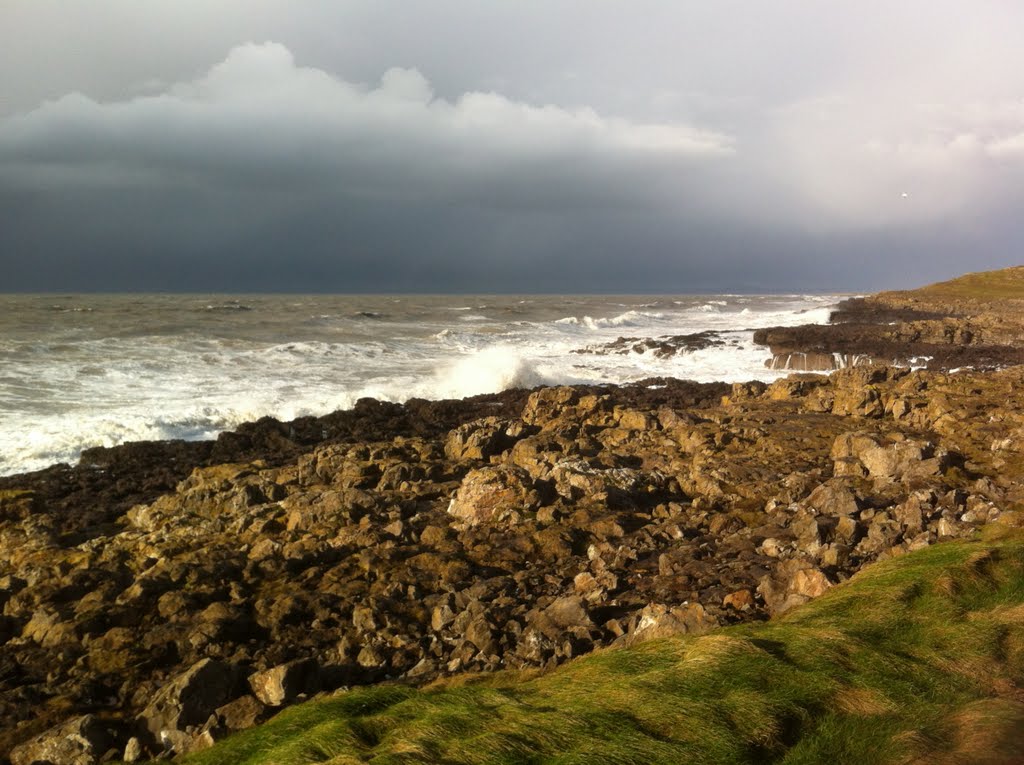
(159, 596)
(976, 321)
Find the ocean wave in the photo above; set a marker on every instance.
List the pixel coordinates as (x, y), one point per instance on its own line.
(71, 309)
(490, 370)
(627, 319)
(65, 392)
(317, 349)
(227, 307)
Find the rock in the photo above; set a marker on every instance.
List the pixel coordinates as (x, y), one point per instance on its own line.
(190, 698)
(132, 750)
(48, 628)
(548, 404)
(79, 741)
(616, 498)
(564, 615)
(870, 454)
(283, 683)
(370, 658)
(832, 498)
(480, 633)
(794, 387)
(660, 621)
(852, 445)
(663, 347)
(494, 495)
(242, 713)
(441, 617)
(912, 512)
(858, 400)
(481, 439)
(567, 612)
(791, 583)
(575, 479)
(900, 460)
(741, 600)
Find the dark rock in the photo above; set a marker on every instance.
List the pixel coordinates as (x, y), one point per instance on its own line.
(190, 698)
(79, 741)
(242, 713)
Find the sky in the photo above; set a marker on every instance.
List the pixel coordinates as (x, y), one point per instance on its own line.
(528, 146)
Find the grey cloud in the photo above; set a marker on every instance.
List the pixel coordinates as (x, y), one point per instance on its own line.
(465, 145)
(257, 117)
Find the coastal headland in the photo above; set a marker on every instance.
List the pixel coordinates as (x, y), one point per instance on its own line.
(158, 597)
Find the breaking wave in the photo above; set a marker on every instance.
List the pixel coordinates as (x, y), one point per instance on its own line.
(116, 373)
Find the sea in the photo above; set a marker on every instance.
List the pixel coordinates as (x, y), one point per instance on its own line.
(98, 370)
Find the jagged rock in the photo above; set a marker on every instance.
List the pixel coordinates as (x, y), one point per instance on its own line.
(575, 479)
(132, 750)
(494, 495)
(873, 455)
(190, 698)
(49, 629)
(912, 513)
(285, 682)
(614, 499)
(371, 658)
(663, 347)
(482, 439)
(79, 741)
(833, 498)
(741, 600)
(791, 583)
(479, 631)
(846, 451)
(794, 386)
(659, 621)
(242, 713)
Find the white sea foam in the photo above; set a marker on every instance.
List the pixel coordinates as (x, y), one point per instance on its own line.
(626, 319)
(115, 372)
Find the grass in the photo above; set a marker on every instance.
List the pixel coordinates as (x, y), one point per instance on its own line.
(1006, 283)
(916, 660)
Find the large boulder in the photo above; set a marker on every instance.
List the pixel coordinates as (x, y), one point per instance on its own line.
(284, 683)
(832, 498)
(482, 439)
(493, 495)
(565, 407)
(860, 454)
(244, 712)
(188, 701)
(903, 459)
(575, 479)
(657, 620)
(79, 741)
(792, 583)
(548, 404)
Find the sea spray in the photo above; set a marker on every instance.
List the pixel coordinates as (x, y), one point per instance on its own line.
(100, 370)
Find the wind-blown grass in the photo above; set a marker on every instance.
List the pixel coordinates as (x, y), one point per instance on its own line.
(985, 285)
(916, 660)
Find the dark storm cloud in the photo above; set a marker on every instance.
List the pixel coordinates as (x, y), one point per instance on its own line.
(480, 146)
(258, 117)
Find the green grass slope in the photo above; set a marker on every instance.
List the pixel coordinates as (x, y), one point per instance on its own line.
(1006, 283)
(916, 660)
